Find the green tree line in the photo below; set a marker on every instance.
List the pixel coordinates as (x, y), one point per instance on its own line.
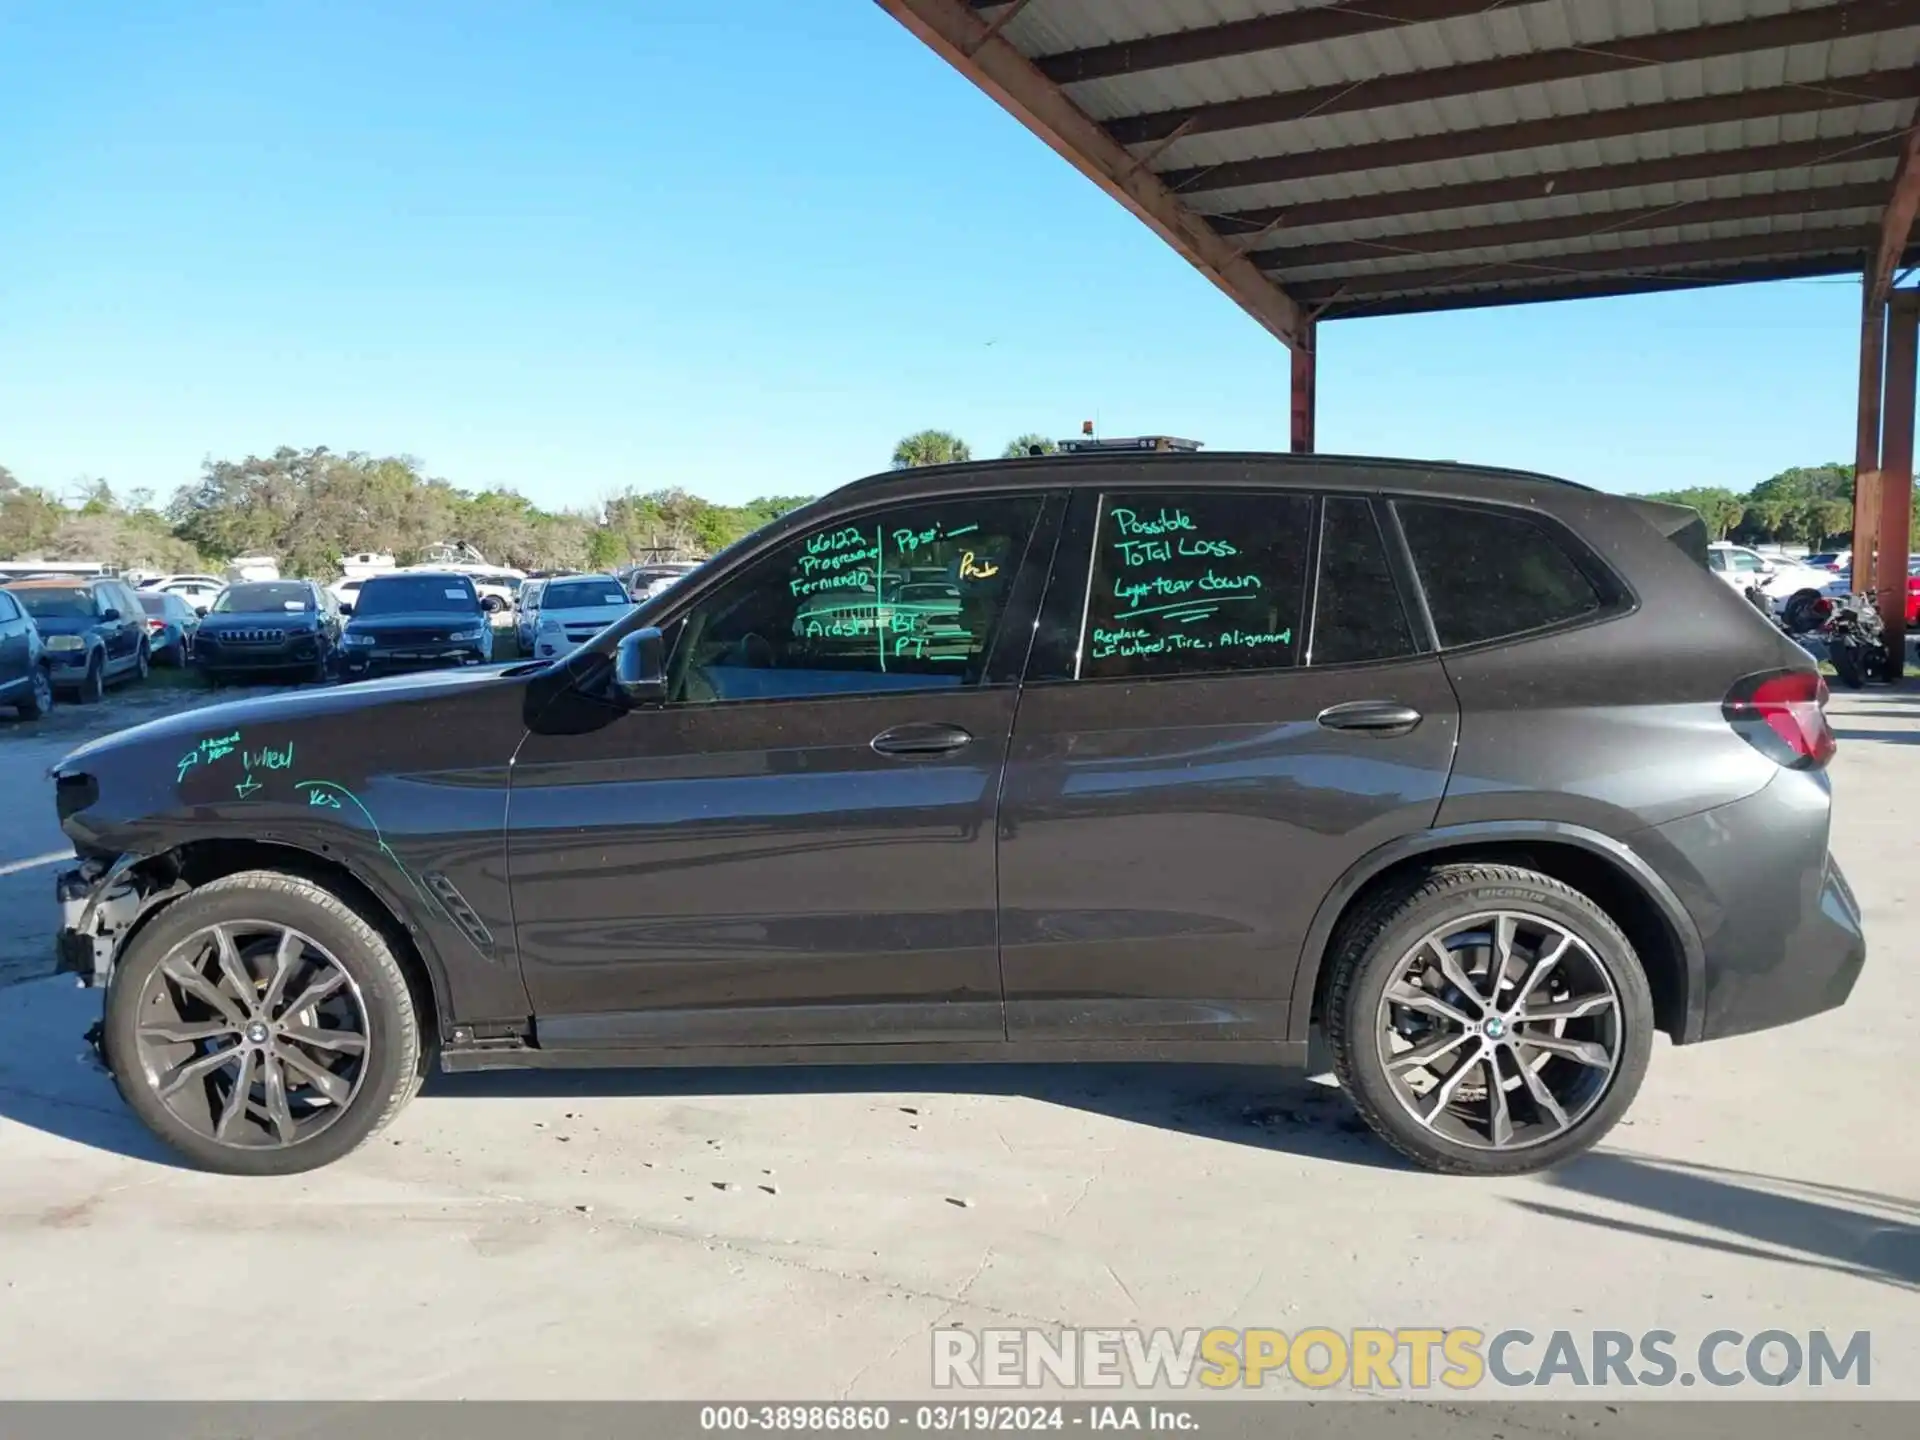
(1809, 505)
(311, 507)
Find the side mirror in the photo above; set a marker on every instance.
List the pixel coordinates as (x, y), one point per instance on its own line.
(109, 614)
(640, 668)
(346, 607)
(201, 611)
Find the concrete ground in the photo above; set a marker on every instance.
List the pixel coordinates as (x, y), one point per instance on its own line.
(800, 1234)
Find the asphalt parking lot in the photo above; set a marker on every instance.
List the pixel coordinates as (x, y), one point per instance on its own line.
(757, 1234)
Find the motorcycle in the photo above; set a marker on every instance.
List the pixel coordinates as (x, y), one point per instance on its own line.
(1857, 641)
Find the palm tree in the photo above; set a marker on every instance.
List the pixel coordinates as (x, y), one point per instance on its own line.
(930, 447)
(1028, 444)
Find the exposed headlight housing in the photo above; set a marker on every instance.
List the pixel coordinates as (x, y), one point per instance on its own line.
(548, 622)
(473, 634)
(65, 642)
(352, 639)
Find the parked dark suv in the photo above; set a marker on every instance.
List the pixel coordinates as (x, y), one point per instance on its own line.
(278, 629)
(92, 630)
(1070, 758)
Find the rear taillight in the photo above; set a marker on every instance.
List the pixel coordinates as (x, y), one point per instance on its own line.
(156, 625)
(1782, 714)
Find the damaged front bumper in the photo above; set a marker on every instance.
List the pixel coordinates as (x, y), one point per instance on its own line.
(100, 903)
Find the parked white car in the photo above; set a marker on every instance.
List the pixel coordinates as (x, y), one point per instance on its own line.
(1779, 578)
(199, 591)
(575, 608)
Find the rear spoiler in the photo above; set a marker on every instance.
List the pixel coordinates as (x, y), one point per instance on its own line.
(1679, 523)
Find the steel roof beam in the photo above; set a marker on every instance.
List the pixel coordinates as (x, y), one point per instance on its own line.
(952, 30)
(1582, 288)
(1432, 199)
(1561, 130)
(1851, 241)
(1821, 200)
(1249, 37)
(1740, 37)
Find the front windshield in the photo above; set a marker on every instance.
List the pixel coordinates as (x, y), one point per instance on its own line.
(583, 595)
(416, 594)
(61, 604)
(263, 597)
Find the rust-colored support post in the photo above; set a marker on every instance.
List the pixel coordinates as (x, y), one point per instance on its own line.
(1305, 366)
(1866, 448)
(1896, 467)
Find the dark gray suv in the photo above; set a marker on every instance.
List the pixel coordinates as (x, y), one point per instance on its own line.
(1070, 758)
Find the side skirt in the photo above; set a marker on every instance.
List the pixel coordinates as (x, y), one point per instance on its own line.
(1285, 1054)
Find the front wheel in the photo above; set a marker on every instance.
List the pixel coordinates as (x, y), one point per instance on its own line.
(1487, 1020)
(93, 686)
(143, 663)
(260, 1026)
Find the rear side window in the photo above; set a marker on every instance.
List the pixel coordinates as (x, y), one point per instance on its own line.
(1192, 582)
(1488, 574)
(1357, 614)
(7, 612)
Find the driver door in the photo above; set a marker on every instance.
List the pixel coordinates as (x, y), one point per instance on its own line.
(797, 848)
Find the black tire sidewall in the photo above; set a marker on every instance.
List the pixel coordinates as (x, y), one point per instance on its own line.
(1362, 1070)
(393, 1042)
(93, 687)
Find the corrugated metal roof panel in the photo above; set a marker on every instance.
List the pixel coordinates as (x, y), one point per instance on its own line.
(1599, 243)
(1838, 125)
(1804, 65)
(1599, 203)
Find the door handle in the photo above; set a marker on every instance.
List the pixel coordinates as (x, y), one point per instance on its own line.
(1372, 717)
(921, 739)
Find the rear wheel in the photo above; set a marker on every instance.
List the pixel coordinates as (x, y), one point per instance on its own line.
(1804, 611)
(261, 1026)
(1488, 1020)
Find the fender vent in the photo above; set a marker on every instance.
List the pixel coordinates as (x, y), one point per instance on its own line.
(458, 910)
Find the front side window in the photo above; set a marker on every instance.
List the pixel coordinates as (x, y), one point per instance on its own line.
(1489, 574)
(1193, 582)
(903, 599)
(7, 612)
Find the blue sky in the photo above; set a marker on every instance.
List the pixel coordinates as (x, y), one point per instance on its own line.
(741, 247)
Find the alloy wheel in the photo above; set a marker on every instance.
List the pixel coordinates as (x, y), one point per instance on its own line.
(253, 1035)
(1500, 1031)
(42, 690)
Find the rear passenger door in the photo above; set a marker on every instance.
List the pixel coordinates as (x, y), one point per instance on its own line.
(1229, 703)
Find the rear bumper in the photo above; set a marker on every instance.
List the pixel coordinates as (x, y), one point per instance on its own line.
(1780, 930)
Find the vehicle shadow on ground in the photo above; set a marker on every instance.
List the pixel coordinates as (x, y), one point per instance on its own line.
(50, 1082)
(1269, 1109)
(1884, 737)
(1762, 1217)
